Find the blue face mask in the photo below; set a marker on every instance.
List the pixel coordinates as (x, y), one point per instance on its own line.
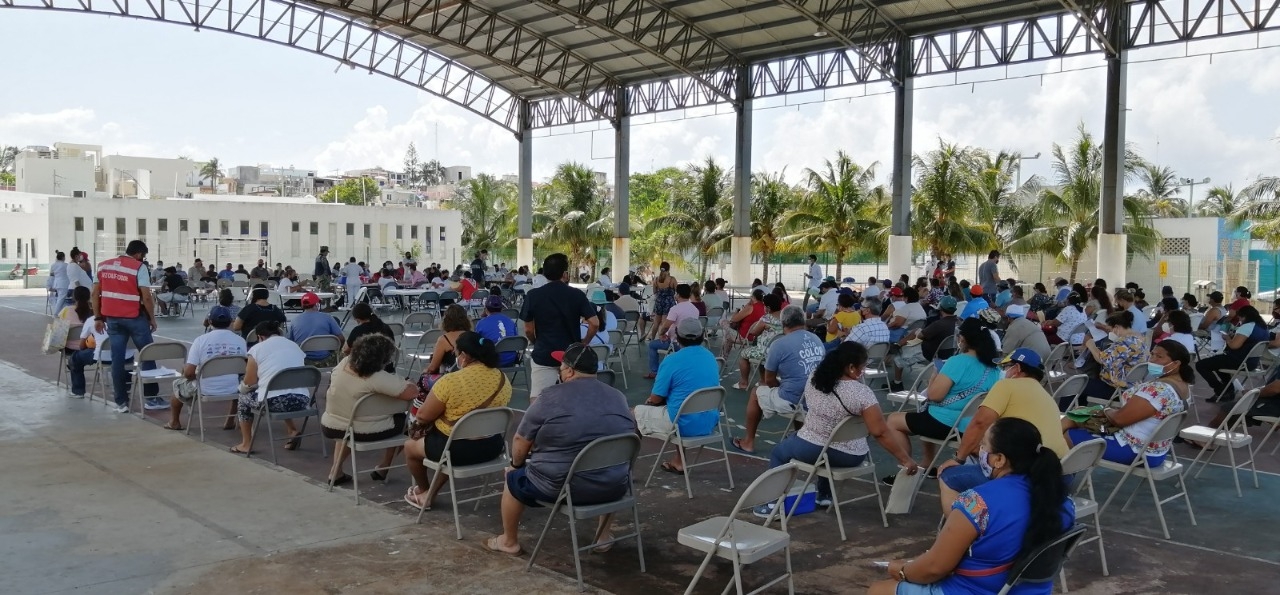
(1155, 370)
(983, 463)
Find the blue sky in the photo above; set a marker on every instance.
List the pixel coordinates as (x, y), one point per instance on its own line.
(145, 88)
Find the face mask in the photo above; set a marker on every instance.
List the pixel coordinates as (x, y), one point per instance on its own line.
(984, 464)
(1005, 374)
(1113, 336)
(1155, 370)
(1166, 327)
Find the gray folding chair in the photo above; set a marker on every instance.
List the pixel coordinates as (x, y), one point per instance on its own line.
(601, 453)
(1069, 389)
(322, 343)
(1078, 465)
(73, 334)
(517, 345)
(1170, 469)
(876, 369)
(1045, 562)
(1053, 365)
(155, 352)
(1136, 374)
(223, 365)
(615, 356)
(423, 351)
(369, 406)
(302, 378)
(851, 428)
(954, 434)
(915, 395)
(1243, 372)
(418, 323)
(742, 542)
(700, 401)
(101, 368)
(1231, 433)
(479, 423)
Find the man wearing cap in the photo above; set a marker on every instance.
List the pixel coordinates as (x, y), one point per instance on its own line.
(565, 418)
(690, 369)
(496, 326)
(552, 315)
(322, 272)
(814, 278)
(313, 323)
(124, 308)
(977, 303)
(1019, 395)
(215, 343)
(667, 332)
(1023, 333)
(787, 365)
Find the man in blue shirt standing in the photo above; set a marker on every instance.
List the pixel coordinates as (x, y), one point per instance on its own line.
(787, 365)
(681, 373)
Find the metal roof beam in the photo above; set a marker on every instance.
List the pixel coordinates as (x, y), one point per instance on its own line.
(1087, 13)
(830, 14)
(701, 54)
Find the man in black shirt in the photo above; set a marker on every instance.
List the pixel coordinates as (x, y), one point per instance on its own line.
(553, 315)
(259, 310)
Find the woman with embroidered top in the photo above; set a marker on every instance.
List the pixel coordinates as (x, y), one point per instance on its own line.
(1126, 350)
(988, 528)
(834, 393)
(478, 384)
(964, 376)
(1142, 407)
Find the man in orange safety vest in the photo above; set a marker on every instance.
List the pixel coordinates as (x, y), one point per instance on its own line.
(123, 308)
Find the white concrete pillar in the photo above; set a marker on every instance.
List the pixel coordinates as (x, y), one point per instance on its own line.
(1113, 249)
(740, 261)
(621, 258)
(900, 253)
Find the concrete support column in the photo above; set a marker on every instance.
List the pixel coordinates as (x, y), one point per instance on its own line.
(621, 187)
(740, 245)
(1112, 242)
(524, 220)
(900, 248)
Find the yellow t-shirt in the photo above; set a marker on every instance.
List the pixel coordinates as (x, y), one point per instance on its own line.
(848, 320)
(1025, 399)
(464, 390)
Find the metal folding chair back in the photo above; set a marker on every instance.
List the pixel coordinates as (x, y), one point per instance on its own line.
(1170, 469)
(73, 334)
(700, 401)
(479, 423)
(321, 343)
(1232, 433)
(850, 428)
(306, 380)
(370, 406)
(916, 394)
(155, 352)
(743, 542)
(1070, 388)
(1078, 465)
(1042, 564)
(222, 365)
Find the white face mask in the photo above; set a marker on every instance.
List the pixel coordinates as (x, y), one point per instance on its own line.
(1166, 327)
(1113, 336)
(984, 463)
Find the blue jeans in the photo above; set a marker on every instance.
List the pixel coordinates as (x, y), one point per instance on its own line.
(654, 347)
(963, 477)
(833, 344)
(77, 363)
(121, 330)
(1115, 452)
(795, 447)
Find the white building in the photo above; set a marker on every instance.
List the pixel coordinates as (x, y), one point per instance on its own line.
(457, 174)
(222, 229)
(66, 171)
(148, 177)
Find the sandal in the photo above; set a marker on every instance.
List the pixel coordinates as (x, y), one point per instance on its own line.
(170, 426)
(737, 444)
(236, 450)
(293, 443)
(739, 386)
(340, 480)
(492, 545)
(669, 468)
(378, 475)
(411, 496)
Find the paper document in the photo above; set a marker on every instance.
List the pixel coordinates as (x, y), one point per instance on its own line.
(160, 372)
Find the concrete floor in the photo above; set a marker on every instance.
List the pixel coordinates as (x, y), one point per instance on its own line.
(199, 520)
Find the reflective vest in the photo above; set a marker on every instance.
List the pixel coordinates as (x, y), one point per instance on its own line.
(118, 287)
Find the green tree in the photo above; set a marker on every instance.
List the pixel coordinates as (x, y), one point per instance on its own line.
(1159, 192)
(211, 170)
(949, 202)
(771, 199)
(1063, 221)
(654, 187)
(836, 214)
(1259, 209)
(8, 179)
(701, 216)
(353, 191)
(573, 215)
(8, 157)
(412, 171)
(649, 243)
(431, 173)
(1220, 201)
(1003, 201)
(483, 203)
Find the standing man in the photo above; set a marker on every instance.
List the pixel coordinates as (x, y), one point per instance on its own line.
(323, 271)
(814, 278)
(59, 281)
(352, 271)
(124, 309)
(477, 268)
(553, 315)
(989, 276)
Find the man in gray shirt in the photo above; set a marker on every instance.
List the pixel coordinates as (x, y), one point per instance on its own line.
(989, 275)
(787, 365)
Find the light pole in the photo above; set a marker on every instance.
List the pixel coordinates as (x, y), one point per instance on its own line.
(1191, 197)
(1019, 166)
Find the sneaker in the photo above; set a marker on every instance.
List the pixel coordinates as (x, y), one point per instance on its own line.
(155, 403)
(932, 473)
(763, 511)
(74, 396)
(888, 479)
(824, 501)
(121, 408)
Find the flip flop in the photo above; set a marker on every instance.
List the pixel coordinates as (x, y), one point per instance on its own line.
(293, 443)
(409, 498)
(240, 452)
(603, 549)
(736, 444)
(491, 545)
(341, 480)
(669, 468)
(170, 426)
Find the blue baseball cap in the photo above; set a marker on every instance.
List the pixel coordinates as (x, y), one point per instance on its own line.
(1024, 356)
(220, 314)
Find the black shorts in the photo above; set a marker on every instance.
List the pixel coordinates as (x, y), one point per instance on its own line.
(925, 425)
(398, 421)
(464, 452)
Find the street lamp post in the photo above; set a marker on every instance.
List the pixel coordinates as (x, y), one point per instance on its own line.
(1019, 166)
(1191, 197)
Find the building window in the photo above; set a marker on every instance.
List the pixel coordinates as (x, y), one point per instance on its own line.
(142, 228)
(4, 248)
(120, 228)
(399, 232)
(18, 243)
(162, 225)
(442, 233)
(413, 232)
(367, 234)
(182, 225)
(351, 229)
(204, 226)
(99, 224)
(315, 228)
(262, 228)
(224, 227)
(296, 227)
(33, 250)
(244, 227)
(79, 223)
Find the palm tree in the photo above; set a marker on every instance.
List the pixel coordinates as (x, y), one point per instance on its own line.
(212, 171)
(1063, 221)
(574, 215)
(949, 202)
(835, 215)
(701, 215)
(1160, 191)
(1002, 202)
(8, 155)
(482, 202)
(1220, 201)
(771, 198)
(1260, 209)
